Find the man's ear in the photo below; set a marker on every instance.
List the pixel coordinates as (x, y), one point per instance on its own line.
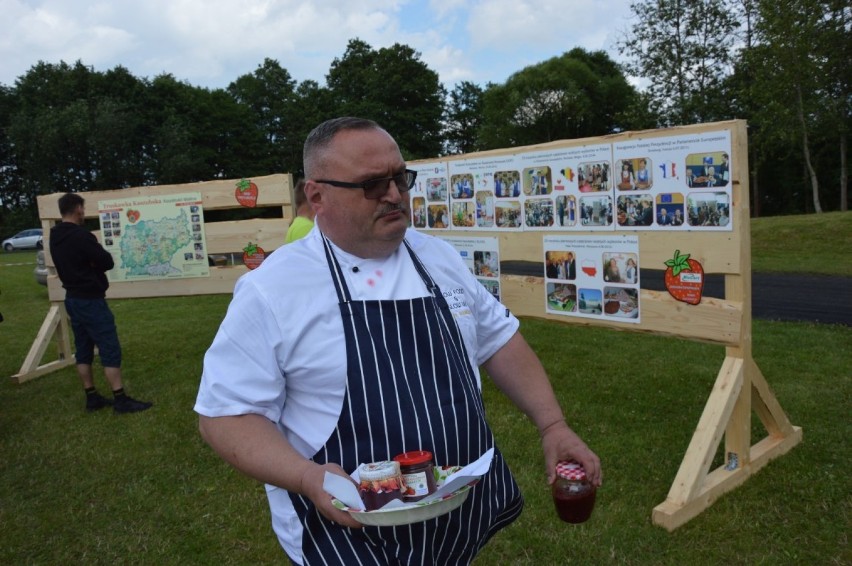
(313, 193)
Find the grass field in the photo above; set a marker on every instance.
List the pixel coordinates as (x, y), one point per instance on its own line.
(144, 489)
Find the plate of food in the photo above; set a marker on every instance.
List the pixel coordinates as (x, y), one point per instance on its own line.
(399, 513)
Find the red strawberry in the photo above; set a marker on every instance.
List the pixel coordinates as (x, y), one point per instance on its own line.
(253, 256)
(246, 193)
(684, 278)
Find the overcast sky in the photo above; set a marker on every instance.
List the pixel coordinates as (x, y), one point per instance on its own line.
(210, 43)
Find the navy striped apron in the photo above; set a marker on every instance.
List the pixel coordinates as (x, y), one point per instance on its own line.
(409, 387)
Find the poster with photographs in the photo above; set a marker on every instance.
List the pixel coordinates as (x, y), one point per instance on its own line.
(674, 183)
(568, 189)
(592, 277)
(485, 194)
(430, 204)
(482, 256)
(156, 237)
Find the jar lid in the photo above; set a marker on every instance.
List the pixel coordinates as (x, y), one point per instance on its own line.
(571, 470)
(413, 458)
(377, 471)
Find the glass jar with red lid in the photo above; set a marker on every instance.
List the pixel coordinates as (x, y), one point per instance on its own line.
(573, 494)
(418, 473)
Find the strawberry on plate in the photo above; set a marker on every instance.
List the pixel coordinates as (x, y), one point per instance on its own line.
(684, 278)
(246, 193)
(253, 256)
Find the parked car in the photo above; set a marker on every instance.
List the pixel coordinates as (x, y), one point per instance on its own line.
(40, 270)
(28, 239)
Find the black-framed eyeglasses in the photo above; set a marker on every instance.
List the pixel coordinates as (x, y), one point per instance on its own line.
(377, 188)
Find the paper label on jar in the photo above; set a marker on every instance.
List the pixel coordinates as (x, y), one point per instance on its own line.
(416, 483)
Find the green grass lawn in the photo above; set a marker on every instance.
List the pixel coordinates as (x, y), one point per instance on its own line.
(144, 489)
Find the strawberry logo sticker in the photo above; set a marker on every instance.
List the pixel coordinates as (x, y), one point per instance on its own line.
(133, 215)
(684, 278)
(246, 193)
(253, 256)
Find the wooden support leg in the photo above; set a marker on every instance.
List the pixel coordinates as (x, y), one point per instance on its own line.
(55, 322)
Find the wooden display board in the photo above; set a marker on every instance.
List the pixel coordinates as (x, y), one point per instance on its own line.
(228, 237)
(740, 387)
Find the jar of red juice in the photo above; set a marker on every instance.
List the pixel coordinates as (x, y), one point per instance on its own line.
(573, 494)
(418, 473)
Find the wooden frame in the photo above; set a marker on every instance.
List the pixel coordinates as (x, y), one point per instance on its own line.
(740, 387)
(222, 238)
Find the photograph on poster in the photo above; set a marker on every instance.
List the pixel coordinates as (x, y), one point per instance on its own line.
(436, 189)
(537, 181)
(438, 216)
(484, 209)
(462, 186)
(507, 184)
(708, 169)
(485, 264)
(464, 214)
(621, 302)
(560, 265)
(593, 177)
(508, 214)
(561, 297)
(418, 212)
(491, 286)
(590, 302)
(708, 209)
(670, 209)
(566, 210)
(596, 210)
(620, 267)
(635, 210)
(539, 212)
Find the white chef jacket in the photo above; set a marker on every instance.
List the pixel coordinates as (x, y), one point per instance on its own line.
(280, 351)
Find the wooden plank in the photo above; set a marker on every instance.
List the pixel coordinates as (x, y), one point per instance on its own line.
(273, 190)
(702, 448)
(42, 370)
(713, 320)
(766, 405)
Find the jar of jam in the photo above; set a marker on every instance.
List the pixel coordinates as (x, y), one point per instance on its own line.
(573, 495)
(380, 483)
(418, 474)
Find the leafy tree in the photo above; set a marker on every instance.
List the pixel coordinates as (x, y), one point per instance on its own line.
(578, 94)
(684, 49)
(463, 118)
(800, 88)
(395, 88)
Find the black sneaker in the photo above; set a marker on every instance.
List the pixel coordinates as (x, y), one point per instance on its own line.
(126, 404)
(96, 401)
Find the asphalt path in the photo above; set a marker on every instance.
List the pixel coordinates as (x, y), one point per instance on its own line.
(775, 296)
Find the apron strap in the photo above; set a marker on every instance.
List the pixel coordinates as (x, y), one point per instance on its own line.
(340, 286)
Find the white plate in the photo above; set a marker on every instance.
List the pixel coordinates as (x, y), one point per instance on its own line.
(412, 512)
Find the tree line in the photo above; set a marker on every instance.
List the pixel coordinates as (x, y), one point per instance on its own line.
(783, 66)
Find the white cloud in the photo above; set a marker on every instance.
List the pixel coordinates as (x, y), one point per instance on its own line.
(212, 42)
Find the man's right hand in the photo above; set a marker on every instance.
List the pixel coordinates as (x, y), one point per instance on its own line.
(312, 481)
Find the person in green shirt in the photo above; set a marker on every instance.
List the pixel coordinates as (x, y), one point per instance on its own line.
(304, 220)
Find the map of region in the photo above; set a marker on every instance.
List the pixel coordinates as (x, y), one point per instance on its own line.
(148, 248)
(158, 237)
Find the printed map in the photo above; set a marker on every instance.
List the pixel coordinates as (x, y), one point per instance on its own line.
(158, 237)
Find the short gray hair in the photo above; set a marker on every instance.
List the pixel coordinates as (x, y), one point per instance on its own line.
(320, 138)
